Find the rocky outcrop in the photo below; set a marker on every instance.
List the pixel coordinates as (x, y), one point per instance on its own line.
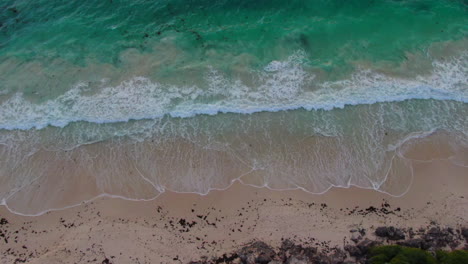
(357, 250)
(437, 237)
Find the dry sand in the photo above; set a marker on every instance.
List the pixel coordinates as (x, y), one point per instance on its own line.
(177, 228)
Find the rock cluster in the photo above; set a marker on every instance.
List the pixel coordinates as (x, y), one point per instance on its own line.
(355, 251)
(289, 253)
(390, 232)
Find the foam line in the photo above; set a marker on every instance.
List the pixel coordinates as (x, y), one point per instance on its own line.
(283, 86)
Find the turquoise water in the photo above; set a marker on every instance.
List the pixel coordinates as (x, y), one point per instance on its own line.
(235, 86)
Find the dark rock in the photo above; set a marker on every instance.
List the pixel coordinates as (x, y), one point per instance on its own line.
(415, 243)
(411, 232)
(464, 233)
(451, 231)
(223, 259)
(247, 259)
(362, 231)
(320, 258)
(390, 233)
(355, 237)
(290, 252)
(365, 245)
(381, 231)
(338, 257)
(294, 260)
(438, 238)
(353, 251)
(287, 244)
(255, 252)
(454, 244)
(296, 250)
(309, 252)
(263, 259)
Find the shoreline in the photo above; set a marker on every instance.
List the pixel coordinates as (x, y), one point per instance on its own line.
(188, 226)
(234, 132)
(66, 182)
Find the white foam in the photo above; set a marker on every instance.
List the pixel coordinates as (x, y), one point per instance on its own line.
(283, 85)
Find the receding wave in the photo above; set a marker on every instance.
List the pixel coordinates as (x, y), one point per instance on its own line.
(369, 146)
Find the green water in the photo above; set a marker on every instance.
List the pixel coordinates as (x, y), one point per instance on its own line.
(331, 32)
(225, 35)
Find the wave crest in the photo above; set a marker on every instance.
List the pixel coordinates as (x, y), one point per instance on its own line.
(282, 85)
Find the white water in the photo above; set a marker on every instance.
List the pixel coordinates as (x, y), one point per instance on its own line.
(281, 86)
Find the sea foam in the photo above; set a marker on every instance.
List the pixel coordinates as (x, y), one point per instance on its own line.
(280, 86)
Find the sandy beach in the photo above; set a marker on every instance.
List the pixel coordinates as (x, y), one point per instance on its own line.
(178, 228)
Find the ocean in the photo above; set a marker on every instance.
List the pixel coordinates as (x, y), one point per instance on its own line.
(133, 98)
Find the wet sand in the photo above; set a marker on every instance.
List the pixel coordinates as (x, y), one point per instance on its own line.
(177, 228)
